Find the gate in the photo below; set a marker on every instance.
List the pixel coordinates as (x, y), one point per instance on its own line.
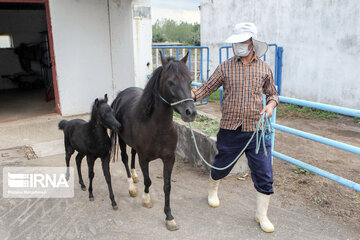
(198, 60)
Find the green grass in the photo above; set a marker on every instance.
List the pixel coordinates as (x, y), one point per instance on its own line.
(356, 120)
(203, 123)
(291, 110)
(317, 200)
(300, 170)
(215, 97)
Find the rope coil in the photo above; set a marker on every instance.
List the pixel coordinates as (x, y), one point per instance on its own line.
(264, 124)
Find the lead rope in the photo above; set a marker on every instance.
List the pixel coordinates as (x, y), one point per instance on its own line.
(176, 103)
(264, 124)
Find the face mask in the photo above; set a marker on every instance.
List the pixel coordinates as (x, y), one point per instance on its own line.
(241, 49)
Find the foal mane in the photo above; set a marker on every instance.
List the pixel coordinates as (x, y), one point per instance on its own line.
(94, 108)
(151, 92)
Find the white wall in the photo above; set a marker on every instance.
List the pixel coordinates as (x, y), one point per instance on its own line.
(131, 37)
(25, 27)
(82, 52)
(100, 47)
(321, 41)
(122, 49)
(142, 39)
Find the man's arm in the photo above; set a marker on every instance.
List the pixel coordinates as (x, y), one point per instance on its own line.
(211, 85)
(272, 96)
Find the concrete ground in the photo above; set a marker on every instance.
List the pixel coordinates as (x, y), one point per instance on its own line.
(24, 103)
(78, 218)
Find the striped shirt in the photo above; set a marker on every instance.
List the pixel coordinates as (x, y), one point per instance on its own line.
(243, 89)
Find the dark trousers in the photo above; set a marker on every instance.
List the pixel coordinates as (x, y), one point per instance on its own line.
(230, 143)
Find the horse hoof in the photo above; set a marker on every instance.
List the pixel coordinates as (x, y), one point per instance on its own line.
(146, 200)
(134, 176)
(132, 193)
(83, 188)
(171, 225)
(135, 179)
(148, 204)
(91, 199)
(115, 207)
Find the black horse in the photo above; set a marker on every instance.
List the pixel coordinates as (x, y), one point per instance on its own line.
(146, 117)
(91, 139)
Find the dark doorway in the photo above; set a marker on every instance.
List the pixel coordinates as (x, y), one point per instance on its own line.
(26, 79)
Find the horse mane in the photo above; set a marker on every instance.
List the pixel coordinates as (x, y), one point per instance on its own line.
(150, 93)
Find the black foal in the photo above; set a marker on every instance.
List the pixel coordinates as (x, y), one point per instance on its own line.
(91, 139)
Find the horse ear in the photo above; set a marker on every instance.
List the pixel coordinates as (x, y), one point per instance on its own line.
(96, 102)
(184, 59)
(106, 98)
(163, 59)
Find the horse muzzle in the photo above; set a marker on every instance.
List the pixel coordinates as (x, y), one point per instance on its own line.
(116, 127)
(188, 114)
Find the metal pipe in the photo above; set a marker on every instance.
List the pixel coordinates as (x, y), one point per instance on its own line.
(189, 60)
(185, 47)
(321, 106)
(220, 54)
(319, 139)
(319, 171)
(201, 65)
(195, 65)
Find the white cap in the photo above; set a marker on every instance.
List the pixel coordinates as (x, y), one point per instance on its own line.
(244, 31)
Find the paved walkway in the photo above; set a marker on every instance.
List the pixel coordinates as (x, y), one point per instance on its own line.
(78, 218)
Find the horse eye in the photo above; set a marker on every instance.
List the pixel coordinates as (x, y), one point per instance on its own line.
(171, 83)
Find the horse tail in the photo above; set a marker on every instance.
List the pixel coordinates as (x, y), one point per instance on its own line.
(62, 124)
(113, 152)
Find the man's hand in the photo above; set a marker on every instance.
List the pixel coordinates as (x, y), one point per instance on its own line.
(192, 95)
(269, 108)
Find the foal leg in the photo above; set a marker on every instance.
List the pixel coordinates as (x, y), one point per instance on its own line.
(124, 157)
(69, 151)
(133, 170)
(105, 162)
(168, 166)
(90, 162)
(146, 200)
(79, 158)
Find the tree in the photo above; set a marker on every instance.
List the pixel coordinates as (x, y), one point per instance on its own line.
(183, 32)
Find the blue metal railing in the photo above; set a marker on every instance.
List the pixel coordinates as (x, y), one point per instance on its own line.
(319, 171)
(330, 108)
(190, 48)
(323, 140)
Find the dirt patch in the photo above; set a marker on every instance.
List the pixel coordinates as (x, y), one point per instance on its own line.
(312, 191)
(17, 154)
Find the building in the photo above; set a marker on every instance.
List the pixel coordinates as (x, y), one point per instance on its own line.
(320, 39)
(94, 46)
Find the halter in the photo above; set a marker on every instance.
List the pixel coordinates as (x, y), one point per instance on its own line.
(176, 103)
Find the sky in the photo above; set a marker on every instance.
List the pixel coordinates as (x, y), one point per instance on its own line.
(178, 10)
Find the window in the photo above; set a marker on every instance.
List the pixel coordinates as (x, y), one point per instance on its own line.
(6, 41)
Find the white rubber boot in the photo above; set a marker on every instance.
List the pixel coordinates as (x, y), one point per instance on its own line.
(213, 199)
(262, 205)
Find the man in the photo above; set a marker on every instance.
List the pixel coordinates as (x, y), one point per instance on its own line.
(245, 78)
